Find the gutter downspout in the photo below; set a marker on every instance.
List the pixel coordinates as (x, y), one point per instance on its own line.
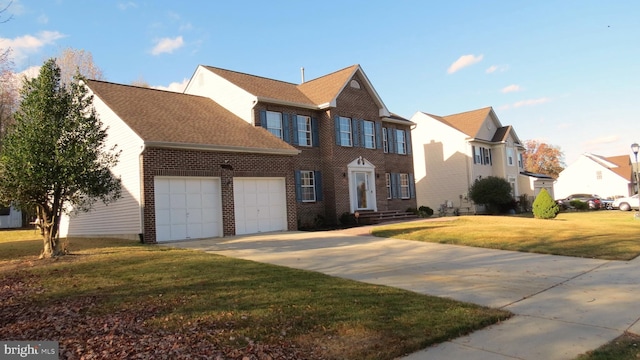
(142, 199)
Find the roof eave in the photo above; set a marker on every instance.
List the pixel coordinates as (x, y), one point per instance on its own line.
(397, 121)
(287, 103)
(220, 148)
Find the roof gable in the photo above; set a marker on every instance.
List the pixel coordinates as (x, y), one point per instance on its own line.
(470, 122)
(320, 93)
(620, 165)
(175, 119)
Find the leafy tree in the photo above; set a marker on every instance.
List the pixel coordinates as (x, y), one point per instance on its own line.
(544, 207)
(543, 158)
(54, 158)
(492, 192)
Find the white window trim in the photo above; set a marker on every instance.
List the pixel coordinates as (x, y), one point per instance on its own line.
(405, 192)
(401, 144)
(385, 141)
(369, 137)
(387, 177)
(271, 129)
(350, 132)
(307, 181)
(304, 132)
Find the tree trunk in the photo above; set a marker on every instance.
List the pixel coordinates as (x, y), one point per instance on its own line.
(52, 245)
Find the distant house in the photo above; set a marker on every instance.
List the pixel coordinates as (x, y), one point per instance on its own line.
(242, 154)
(595, 174)
(10, 217)
(451, 152)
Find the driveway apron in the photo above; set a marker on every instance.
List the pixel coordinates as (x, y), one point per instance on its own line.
(564, 306)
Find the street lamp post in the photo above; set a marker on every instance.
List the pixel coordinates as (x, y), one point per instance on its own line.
(635, 148)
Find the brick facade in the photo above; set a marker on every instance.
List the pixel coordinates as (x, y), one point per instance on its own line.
(332, 159)
(175, 162)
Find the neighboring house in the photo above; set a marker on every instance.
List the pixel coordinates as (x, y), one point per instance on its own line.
(451, 152)
(607, 177)
(240, 154)
(10, 217)
(530, 184)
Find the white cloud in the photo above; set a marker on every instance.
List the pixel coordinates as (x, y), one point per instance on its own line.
(511, 88)
(174, 86)
(127, 5)
(495, 68)
(29, 44)
(167, 45)
(464, 61)
(603, 140)
(531, 102)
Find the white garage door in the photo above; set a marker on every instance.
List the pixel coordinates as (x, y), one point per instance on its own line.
(260, 205)
(187, 208)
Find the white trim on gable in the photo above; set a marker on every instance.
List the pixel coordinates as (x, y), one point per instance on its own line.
(235, 99)
(383, 111)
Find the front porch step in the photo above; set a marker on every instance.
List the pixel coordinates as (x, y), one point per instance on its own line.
(375, 217)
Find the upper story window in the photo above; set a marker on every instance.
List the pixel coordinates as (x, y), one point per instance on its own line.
(346, 132)
(520, 161)
(510, 160)
(274, 123)
(369, 134)
(482, 155)
(385, 140)
(354, 84)
(598, 175)
(304, 130)
(401, 142)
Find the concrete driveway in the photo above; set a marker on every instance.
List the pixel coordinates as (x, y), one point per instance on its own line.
(565, 306)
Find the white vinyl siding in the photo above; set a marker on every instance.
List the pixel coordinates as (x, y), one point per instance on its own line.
(121, 218)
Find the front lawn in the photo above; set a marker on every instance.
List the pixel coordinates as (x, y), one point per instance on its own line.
(119, 299)
(601, 234)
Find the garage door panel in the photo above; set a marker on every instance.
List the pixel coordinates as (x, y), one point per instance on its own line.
(187, 208)
(260, 205)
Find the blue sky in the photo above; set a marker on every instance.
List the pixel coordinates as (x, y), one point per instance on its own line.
(563, 72)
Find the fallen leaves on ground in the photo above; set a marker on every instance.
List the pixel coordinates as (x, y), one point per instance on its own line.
(85, 333)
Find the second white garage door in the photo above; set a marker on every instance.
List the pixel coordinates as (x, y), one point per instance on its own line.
(187, 208)
(260, 205)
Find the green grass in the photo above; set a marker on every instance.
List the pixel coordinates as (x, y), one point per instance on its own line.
(625, 347)
(602, 234)
(240, 301)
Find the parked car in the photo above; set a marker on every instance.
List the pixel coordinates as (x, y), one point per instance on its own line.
(593, 201)
(627, 203)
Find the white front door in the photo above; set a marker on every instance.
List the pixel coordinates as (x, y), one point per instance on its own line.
(362, 190)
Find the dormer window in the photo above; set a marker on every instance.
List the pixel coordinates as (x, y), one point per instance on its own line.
(354, 84)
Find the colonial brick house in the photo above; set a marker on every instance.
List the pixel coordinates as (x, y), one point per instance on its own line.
(240, 154)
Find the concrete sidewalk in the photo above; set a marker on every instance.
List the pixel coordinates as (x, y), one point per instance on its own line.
(565, 306)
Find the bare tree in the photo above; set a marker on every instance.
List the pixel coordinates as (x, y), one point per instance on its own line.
(73, 61)
(141, 82)
(8, 91)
